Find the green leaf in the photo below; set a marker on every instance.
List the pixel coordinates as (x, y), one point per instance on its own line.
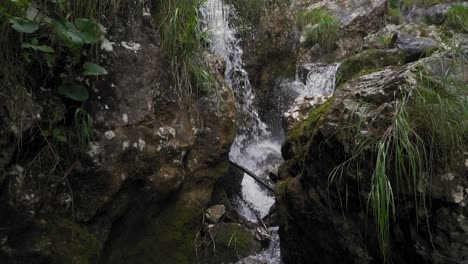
(91, 69)
(75, 92)
(42, 48)
(59, 135)
(57, 1)
(23, 25)
(20, 2)
(90, 31)
(68, 32)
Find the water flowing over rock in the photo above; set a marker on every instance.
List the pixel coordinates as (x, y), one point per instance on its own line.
(314, 84)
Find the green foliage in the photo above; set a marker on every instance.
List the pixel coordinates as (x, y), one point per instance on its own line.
(81, 131)
(91, 69)
(422, 2)
(381, 197)
(396, 17)
(319, 26)
(428, 132)
(457, 18)
(75, 92)
(182, 40)
(44, 36)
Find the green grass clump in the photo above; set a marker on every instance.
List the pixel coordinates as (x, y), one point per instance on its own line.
(422, 2)
(428, 132)
(457, 18)
(319, 26)
(182, 41)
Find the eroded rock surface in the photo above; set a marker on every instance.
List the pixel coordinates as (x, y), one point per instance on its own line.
(139, 193)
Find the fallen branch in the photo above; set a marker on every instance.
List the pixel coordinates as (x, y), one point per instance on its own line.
(251, 174)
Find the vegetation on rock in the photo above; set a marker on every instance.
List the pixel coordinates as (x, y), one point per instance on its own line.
(319, 26)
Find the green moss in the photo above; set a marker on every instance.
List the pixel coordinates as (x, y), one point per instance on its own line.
(65, 242)
(307, 127)
(368, 61)
(232, 242)
(170, 237)
(173, 236)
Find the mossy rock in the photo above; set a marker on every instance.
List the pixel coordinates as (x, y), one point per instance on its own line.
(55, 240)
(301, 133)
(173, 235)
(231, 243)
(368, 61)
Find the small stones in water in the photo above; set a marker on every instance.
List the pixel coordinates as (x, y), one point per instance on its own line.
(214, 213)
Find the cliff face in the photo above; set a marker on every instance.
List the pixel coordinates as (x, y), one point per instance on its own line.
(139, 193)
(348, 193)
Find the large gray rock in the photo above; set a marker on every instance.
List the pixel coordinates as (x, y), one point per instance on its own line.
(413, 47)
(321, 220)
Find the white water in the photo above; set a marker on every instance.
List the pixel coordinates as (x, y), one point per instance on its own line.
(255, 147)
(315, 79)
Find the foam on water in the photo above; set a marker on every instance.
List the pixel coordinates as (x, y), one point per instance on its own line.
(255, 147)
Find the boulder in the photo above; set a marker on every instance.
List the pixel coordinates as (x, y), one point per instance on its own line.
(368, 61)
(436, 14)
(322, 204)
(232, 242)
(413, 47)
(214, 213)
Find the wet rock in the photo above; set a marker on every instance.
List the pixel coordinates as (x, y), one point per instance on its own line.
(214, 213)
(150, 170)
(413, 47)
(50, 240)
(300, 109)
(368, 61)
(355, 18)
(312, 226)
(436, 14)
(232, 242)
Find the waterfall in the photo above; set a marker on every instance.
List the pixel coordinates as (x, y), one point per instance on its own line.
(315, 79)
(255, 146)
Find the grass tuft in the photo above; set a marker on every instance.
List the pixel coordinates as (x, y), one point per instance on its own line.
(428, 133)
(182, 39)
(457, 18)
(319, 26)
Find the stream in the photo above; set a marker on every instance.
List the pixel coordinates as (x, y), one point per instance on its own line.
(257, 145)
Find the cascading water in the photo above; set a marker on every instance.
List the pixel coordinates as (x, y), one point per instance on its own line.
(255, 147)
(315, 79)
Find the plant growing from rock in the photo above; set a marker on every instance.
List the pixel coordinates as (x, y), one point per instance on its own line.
(427, 132)
(183, 40)
(41, 37)
(457, 18)
(319, 27)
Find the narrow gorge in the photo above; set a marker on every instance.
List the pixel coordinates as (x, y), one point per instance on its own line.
(233, 131)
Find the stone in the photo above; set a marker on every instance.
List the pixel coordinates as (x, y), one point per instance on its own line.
(215, 213)
(233, 242)
(436, 14)
(312, 226)
(413, 47)
(368, 61)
